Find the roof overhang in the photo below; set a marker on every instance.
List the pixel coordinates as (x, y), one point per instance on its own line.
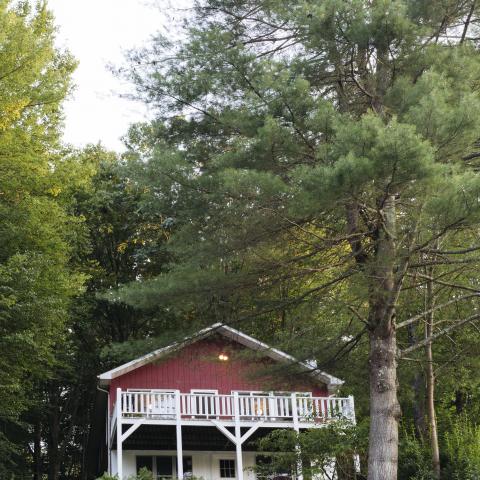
(330, 381)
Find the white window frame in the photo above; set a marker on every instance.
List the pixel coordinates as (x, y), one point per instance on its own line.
(152, 390)
(271, 393)
(201, 391)
(223, 459)
(159, 408)
(272, 407)
(204, 391)
(174, 464)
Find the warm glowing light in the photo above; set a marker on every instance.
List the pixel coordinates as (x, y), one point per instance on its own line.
(223, 357)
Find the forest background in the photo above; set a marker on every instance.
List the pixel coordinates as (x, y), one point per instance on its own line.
(310, 177)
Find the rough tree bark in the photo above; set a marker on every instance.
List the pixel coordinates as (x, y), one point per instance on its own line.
(384, 406)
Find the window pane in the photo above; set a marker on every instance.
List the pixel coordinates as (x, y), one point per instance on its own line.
(164, 467)
(187, 465)
(227, 468)
(144, 462)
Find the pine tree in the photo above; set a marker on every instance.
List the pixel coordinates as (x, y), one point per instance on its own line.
(327, 143)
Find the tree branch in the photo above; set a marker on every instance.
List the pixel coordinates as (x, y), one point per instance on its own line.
(433, 337)
(438, 307)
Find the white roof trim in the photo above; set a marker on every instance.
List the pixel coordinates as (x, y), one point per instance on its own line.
(332, 382)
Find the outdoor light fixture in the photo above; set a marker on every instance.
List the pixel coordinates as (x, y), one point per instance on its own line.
(223, 357)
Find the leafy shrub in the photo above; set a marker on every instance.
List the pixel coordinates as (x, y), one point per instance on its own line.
(336, 444)
(414, 457)
(143, 474)
(461, 448)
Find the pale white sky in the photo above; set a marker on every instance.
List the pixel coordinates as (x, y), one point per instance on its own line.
(97, 32)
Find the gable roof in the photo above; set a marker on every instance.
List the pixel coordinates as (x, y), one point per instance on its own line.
(332, 382)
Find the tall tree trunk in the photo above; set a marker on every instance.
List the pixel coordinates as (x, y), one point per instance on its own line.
(54, 442)
(384, 406)
(37, 451)
(418, 391)
(430, 380)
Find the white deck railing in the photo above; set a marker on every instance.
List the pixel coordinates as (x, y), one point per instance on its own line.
(295, 407)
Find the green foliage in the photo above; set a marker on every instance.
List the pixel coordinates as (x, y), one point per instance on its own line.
(462, 449)
(460, 443)
(285, 132)
(414, 458)
(143, 474)
(231, 206)
(37, 278)
(340, 442)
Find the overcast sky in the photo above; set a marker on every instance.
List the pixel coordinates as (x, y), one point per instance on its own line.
(97, 32)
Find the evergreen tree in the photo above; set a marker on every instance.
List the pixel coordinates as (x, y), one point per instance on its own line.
(327, 143)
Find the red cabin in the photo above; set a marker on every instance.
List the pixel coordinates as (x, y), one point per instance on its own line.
(194, 408)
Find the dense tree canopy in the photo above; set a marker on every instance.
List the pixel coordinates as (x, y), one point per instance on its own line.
(324, 144)
(36, 278)
(310, 177)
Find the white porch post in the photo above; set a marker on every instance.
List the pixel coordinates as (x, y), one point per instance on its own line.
(238, 437)
(178, 414)
(351, 408)
(118, 409)
(296, 427)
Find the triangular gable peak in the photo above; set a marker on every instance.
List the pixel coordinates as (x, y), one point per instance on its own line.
(232, 334)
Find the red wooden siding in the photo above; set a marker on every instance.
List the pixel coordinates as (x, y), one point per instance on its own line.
(197, 367)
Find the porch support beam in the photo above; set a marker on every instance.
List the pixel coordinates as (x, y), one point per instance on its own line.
(126, 434)
(233, 438)
(178, 431)
(238, 437)
(296, 427)
(251, 431)
(225, 431)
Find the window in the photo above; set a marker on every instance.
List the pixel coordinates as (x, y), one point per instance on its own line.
(187, 467)
(164, 467)
(144, 462)
(227, 468)
(288, 394)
